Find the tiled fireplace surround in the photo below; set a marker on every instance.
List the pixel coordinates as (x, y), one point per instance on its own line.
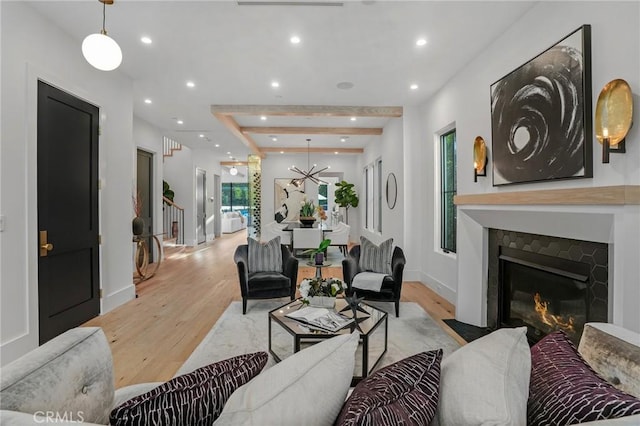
(616, 225)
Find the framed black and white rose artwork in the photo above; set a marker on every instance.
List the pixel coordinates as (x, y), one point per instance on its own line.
(541, 115)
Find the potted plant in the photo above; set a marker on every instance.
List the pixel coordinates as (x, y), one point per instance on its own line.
(167, 192)
(317, 254)
(346, 197)
(306, 213)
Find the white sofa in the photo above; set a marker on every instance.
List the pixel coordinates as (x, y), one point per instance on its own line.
(233, 222)
(72, 376)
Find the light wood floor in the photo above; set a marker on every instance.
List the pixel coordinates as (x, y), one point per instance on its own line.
(152, 335)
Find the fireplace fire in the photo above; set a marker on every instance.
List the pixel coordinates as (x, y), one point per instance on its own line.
(554, 321)
(546, 283)
(544, 293)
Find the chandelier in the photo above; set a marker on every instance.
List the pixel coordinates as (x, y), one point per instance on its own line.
(309, 174)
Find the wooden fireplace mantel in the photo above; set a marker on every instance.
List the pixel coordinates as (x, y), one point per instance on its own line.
(600, 195)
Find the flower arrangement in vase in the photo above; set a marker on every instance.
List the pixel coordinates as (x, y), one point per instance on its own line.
(321, 292)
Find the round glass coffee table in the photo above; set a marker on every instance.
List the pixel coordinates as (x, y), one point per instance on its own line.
(288, 336)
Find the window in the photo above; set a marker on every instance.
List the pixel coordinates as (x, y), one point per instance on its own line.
(323, 200)
(378, 209)
(373, 196)
(448, 211)
(235, 197)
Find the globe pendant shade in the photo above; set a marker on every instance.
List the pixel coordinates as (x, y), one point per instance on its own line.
(102, 52)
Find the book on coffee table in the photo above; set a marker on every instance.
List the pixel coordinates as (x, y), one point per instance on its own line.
(322, 318)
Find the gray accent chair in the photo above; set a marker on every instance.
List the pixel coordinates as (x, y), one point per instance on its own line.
(266, 285)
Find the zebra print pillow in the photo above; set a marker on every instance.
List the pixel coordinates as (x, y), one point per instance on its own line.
(375, 258)
(565, 390)
(192, 399)
(264, 257)
(403, 393)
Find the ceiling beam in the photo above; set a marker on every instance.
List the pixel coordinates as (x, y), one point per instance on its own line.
(234, 163)
(316, 150)
(309, 110)
(352, 131)
(234, 128)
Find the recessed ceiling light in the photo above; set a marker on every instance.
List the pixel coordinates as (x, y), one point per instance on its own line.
(421, 42)
(273, 138)
(275, 84)
(231, 157)
(336, 152)
(147, 101)
(413, 86)
(281, 152)
(263, 118)
(217, 145)
(228, 152)
(343, 139)
(146, 40)
(201, 135)
(180, 122)
(295, 39)
(353, 119)
(191, 84)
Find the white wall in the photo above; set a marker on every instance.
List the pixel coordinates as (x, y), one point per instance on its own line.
(276, 166)
(390, 149)
(465, 100)
(33, 49)
(149, 138)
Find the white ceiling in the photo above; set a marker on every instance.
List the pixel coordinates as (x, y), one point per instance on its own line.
(234, 52)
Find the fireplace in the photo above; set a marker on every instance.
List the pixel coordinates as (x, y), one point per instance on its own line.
(546, 283)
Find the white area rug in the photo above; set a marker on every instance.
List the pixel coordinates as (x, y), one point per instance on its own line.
(236, 334)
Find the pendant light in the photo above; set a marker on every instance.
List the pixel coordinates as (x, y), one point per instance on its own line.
(233, 171)
(100, 50)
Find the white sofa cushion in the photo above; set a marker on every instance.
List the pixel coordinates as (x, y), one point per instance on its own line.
(486, 382)
(307, 388)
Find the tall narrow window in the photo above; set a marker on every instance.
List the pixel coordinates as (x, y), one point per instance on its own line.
(368, 190)
(378, 209)
(373, 196)
(447, 191)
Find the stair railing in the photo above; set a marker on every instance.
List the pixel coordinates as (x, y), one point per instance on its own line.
(173, 220)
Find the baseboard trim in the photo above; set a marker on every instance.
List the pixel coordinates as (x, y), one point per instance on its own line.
(120, 297)
(439, 287)
(17, 347)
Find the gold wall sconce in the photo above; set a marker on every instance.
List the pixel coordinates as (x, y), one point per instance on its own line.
(614, 117)
(479, 158)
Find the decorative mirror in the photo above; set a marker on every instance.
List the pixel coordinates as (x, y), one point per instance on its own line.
(392, 190)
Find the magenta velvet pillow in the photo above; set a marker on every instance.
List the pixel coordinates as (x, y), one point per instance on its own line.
(196, 398)
(565, 390)
(403, 393)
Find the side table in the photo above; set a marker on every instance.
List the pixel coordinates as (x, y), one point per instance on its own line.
(319, 267)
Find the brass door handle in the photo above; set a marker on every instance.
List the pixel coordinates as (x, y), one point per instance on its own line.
(45, 246)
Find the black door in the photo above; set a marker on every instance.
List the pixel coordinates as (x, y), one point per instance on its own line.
(68, 267)
(144, 181)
